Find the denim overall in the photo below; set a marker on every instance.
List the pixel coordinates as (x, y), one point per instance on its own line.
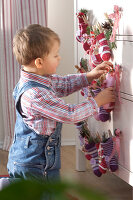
(32, 155)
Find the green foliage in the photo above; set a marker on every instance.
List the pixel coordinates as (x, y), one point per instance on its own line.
(88, 30)
(84, 11)
(83, 63)
(96, 32)
(113, 45)
(108, 34)
(55, 190)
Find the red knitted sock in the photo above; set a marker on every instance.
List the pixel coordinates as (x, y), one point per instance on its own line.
(86, 46)
(96, 60)
(102, 162)
(104, 49)
(83, 28)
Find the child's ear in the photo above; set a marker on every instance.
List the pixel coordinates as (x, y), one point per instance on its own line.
(38, 62)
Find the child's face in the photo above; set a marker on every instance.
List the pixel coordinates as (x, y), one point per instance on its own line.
(51, 61)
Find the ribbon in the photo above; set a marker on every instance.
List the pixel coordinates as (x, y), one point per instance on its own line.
(116, 16)
(117, 78)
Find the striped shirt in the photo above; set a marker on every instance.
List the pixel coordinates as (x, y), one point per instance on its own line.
(43, 107)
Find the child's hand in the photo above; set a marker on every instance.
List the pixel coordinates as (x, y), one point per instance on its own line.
(99, 70)
(105, 96)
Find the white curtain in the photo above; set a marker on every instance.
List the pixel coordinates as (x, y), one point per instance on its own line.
(14, 14)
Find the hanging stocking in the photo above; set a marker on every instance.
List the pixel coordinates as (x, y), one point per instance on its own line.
(104, 49)
(110, 82)
(83, 28)
(102, 163)
(111, 160)
(80, 17)
(96, 60)
(103, 115)
(86, 47)
(82, 139)
(92, 150)
(79, 37)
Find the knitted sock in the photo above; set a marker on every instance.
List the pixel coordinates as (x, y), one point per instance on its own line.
(82, 139)
(80, 18)
(83, 28)
(110, 82)
(79, 37)
(112, 162)
(86, 46)
(96, 91)
(104, 49)
(103, 114)
(96, 60)
(92, 150)
(102, 162)
(88, 156)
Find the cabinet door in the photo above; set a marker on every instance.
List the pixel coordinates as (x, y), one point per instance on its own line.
(127, 17)
(122, 119)
(124, 57)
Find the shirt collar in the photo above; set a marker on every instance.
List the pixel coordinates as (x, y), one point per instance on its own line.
(26, 76)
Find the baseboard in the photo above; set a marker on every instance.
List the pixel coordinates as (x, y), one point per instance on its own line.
(68, 142)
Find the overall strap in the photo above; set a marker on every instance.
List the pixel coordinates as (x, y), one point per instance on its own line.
(20, 90)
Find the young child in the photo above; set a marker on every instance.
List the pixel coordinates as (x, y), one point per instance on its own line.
(40, 111)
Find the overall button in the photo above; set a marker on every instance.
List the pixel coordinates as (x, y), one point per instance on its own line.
(48, 147)
(50, 140)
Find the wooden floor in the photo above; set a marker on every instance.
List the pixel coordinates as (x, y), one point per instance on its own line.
(109, 184)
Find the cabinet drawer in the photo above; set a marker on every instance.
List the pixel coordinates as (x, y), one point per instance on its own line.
(122, 119)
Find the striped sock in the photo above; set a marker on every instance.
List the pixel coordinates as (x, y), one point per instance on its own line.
(110, 82)
(112, 162)
(102, 162)
(96, 60)
(103, 114)
(92, 150)
(83, 28)
(104, 49)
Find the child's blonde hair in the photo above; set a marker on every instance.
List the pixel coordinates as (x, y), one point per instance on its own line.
(33, 42)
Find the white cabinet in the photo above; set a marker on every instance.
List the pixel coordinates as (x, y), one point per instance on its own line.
(123, 118)
(123, 114)
(124, 57)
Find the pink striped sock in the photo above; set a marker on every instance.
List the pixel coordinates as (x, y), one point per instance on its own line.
(104, 49)
(92, 150)
(112, 163)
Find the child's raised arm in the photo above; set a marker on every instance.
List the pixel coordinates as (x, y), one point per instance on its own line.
(105, 96)
(99, 70)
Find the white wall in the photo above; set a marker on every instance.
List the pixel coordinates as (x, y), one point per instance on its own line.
(61, 20)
